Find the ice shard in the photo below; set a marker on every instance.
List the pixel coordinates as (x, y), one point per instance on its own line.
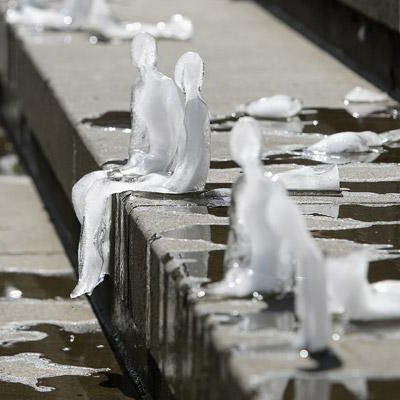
(351, 295)
(277, 106)
(363, 95)
(95, 17)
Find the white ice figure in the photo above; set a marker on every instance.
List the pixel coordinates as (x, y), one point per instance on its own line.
(363, 95)
(157, 115)
(277, 106)
(269, 243)
(351, 295)
(255, 260)
(320, 177)
(95, 16)
(91, 195)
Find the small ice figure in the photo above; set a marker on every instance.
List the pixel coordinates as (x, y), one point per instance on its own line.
(157, 115)
(363, 95)
(277, 106)
(95, 16)
(255, 259)
(269, 243)
(91, 195)
(353, 296)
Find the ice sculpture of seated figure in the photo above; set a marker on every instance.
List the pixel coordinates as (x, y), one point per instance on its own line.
(95, 16)
(269, 243)
(92, 193)
(353, 296)
(157, 115)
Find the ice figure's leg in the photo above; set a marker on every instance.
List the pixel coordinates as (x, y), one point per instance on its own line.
(81, 189)
(94, 235)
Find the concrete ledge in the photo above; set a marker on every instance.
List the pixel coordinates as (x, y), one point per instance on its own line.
(169, 341)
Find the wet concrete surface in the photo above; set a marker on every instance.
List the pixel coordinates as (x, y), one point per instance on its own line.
(71, 349)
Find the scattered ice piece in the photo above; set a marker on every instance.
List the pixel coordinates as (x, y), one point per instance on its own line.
(189, 169)
(346, 142)
(320, 177)
(95, 17)
(277, 106)
(352, 295)
(390, 137)
(363, 95)
(360, 110)
(29, 368)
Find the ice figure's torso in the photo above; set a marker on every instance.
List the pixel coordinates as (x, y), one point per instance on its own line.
(193, 162)
(157, 124)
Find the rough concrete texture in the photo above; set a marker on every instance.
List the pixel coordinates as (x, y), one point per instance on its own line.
(197, 342)
(249, 64)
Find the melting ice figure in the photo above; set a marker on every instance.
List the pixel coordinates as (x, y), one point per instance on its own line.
(157, 115)
(344, 147)
(352, 295)
(186, 171)
(95, 16)
(269, 243)
(277, 106)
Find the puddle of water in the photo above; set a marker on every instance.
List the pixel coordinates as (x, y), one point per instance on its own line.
(369, 214)
(37, 286)
(381, 187)
(375, 234)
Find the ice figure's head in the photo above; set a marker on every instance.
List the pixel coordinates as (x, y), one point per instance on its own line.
(246, 143)
(144, 51)
(189, 71)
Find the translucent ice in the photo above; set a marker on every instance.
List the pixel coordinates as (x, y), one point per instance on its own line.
(157, 115)
(347, 142)
(95, 16)
(277, 106)
(351, 294)
(269, 242)
(91, 195)
(363, 95)
(255, 258)
(320, 177)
